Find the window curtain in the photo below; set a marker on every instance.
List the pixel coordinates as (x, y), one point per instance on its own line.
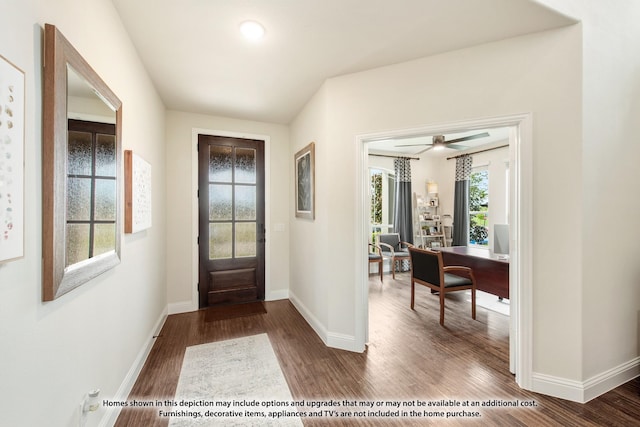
(461, 201)
(403, 219)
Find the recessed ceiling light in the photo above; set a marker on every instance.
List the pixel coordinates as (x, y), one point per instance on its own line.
(252, 30)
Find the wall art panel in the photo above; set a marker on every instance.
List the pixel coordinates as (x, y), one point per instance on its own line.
(137, 216)
(11, 161)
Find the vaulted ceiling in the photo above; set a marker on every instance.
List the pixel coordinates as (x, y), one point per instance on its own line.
(199, 62)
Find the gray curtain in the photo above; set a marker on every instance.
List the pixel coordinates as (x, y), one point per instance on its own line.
(403, 218)
(461, 201)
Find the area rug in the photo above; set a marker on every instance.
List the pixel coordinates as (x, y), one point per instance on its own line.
(236, 382)
(234, 311)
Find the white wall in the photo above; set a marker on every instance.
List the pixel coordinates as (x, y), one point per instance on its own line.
(311, 241)
(53, 353)
(428, 168)
(539, 73)
(611, 87)
(181, 188)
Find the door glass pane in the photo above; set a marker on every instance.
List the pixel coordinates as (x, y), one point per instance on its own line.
(245, 203)
(220, 202)
(220, 164)
(77, 243)
(246, 165)
(105, 155)
(245, 239)
(78, 199)
(79, 157)
(220, 240)
(105, 209)
(104, 238)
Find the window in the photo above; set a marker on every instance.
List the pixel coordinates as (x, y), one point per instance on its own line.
(479, 207)
(382, 192)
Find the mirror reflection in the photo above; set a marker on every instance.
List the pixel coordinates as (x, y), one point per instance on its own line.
(91, 173)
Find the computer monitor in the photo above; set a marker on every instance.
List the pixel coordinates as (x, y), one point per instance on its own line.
(501, 239)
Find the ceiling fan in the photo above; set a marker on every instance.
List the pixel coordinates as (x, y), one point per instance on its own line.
(438, 141)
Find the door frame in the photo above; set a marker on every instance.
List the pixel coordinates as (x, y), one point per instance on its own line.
(521, 232)
(194, 207)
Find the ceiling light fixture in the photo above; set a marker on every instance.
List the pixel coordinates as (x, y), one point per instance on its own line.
(252, 30)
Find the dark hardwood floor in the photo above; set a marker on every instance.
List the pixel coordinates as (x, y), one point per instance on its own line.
(410, 357)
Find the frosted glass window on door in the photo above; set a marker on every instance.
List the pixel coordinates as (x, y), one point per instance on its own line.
(105, 155)
(79, 199)
(79, 157)
(220, 240)
(91, 192)
(245, 202)
(245, 169)
(104, 238)
(105, 200)
(220, 202)
(77, 243)
(245, 239)
(220, 164)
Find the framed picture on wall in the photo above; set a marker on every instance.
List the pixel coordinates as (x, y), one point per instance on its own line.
(137, 193)
(305, 182)
(12, 105)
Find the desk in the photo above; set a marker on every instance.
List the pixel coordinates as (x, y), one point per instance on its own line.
(491, 273)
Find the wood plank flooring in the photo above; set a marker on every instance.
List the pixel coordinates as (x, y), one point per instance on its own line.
(410, 357)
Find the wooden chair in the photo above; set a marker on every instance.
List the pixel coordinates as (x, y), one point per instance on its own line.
(427, 269)
(375, 257)
(395, 249)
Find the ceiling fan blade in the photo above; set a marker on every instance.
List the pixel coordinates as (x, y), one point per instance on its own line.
(411, 145)
(429, 147)
(467, 138)
(456, 146)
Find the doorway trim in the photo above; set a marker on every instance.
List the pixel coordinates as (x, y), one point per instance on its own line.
(194, 206)
(521, 234)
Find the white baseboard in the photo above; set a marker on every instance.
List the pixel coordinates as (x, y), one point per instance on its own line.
(557, 387)
(310, 318)
(277, 295)
(342, 341)
(331, 339)
(608, 380)
(584, 391)
(181, 307)
(111, 414)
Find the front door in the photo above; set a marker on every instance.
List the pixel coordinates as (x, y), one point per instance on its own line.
(231, 220)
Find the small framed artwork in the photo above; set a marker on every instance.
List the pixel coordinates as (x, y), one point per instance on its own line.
(12, 107)
(137, 193)
(305, 182)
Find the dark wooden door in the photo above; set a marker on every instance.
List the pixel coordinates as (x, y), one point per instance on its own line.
(231, 212)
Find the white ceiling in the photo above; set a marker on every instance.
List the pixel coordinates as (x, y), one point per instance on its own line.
(199, 62)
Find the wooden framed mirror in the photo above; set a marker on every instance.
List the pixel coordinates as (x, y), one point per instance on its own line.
(81, 174)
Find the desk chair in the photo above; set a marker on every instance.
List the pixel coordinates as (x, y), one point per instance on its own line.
(427, 269)
(395, 249)
(375, 257)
